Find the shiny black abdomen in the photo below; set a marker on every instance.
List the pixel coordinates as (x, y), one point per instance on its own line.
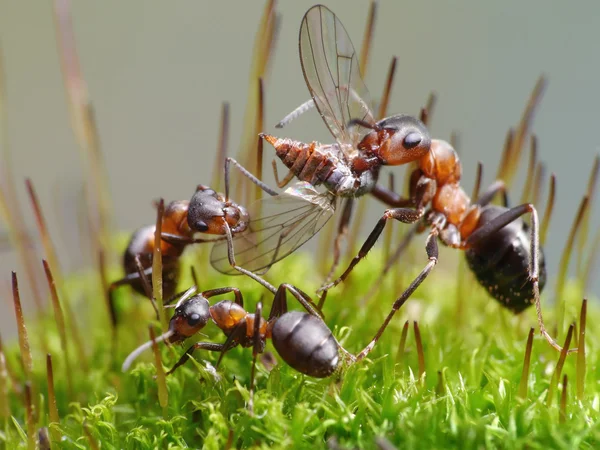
(501, 263)
(306, 344)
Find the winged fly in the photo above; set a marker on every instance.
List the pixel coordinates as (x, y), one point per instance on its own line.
(347, 168)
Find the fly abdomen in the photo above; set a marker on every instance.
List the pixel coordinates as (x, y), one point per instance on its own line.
(306, 344)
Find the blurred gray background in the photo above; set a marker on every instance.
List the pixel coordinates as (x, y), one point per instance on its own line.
(158, 71)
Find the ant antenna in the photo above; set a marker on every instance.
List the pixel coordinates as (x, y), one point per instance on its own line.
(142, 348)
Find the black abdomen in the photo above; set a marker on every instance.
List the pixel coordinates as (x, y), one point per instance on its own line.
(501, 263)
(306, 344)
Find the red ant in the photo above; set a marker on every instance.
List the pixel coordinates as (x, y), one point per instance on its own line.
(302, 339)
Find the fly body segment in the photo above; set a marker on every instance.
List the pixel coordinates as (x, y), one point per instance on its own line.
(208, 212)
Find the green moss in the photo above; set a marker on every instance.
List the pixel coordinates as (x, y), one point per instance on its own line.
(478, 351)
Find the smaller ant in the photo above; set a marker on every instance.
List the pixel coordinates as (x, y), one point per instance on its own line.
(302, 339)
(207, 212)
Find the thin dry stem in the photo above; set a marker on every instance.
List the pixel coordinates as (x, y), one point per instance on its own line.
(222, 145)
(163, 393)
(526, 194)
(60, 324)
(549, 209)
(26, 359)
(559, 366)
(585, 221)
(365, 50)
(29, 416)
(564, 265)
(387, 91)
(402, 345)
(420, 353)
(157, 288)
(523, 385)
(581, 363)
(52, 408)
(563, 401)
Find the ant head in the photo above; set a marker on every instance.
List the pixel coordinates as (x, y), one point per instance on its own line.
(189, 318)
(407, 140)
(204, 207)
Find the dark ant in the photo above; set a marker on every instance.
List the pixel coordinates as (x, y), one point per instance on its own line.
(207, 212)
(302, 339)
(501, 249)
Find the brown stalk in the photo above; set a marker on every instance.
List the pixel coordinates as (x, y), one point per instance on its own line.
(52, 408)
(581, 363)
(527, 189)
(385, 97)
(564, 264)
(591, 261)
(83, 121)
(505, 158)
(365, 50)
(26, 359)
(29, 416)
(523, 385)
(157, 289)
(540, 175)
(10, 207)
(477, 185)
(217, 179)
(440, 389)
(163, 393)
(420, 353)
(88, 435)
(60, 324)
(50, 252)
(110, 307)
(402, 345)
(260, 123)
(545, 224)
(563, 401)
(559, 366)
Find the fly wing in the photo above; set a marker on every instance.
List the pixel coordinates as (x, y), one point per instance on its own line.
(332, 74)
(286, 222)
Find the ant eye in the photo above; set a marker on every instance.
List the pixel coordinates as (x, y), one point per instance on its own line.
(412, 140)
(200, 226)
(193, 319)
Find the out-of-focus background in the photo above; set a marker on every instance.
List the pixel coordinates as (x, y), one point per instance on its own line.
(158, 72)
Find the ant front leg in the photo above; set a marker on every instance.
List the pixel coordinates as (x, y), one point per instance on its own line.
(210, 346)
(279, 306)
(482, 235)
(404, 215)
(431, 248)
(389, 197)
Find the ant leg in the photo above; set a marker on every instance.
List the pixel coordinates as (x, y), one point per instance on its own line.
(247, 174)
(482, 234)
(342, 232)
(210, 346)
(231, 257)
(407, 239)
(389, 197)
(127, 280)
(257, 348)
(488, 195)
(289, 177)
(404, 215)
(279, 306)
(239, 299)
(432, 253)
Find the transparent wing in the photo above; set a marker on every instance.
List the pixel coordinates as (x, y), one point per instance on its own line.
(282, 224)
(332, 74)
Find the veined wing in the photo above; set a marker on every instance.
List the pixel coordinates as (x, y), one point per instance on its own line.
(278, 226)
(332, 74)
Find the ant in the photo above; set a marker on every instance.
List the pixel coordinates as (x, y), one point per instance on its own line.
(302, 339)
(207, 212)
(502, 251)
